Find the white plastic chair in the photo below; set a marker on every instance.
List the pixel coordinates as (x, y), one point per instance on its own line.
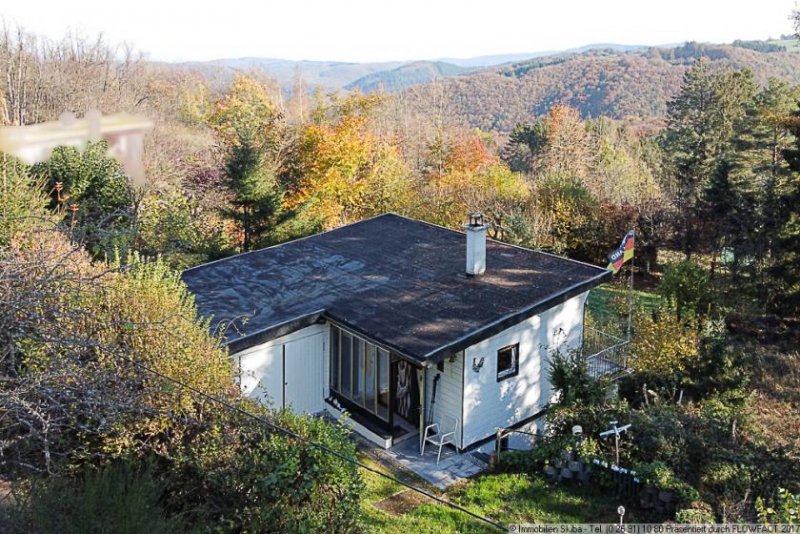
(440, 434)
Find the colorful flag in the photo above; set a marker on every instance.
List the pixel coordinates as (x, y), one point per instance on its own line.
(622, 254)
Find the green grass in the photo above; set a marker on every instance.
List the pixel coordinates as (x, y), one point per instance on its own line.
(608, 304)
(505, 498)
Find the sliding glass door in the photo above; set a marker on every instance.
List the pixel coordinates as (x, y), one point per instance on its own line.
(360, 372)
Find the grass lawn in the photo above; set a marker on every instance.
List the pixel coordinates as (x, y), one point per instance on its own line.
(608, 304)
(507, 498)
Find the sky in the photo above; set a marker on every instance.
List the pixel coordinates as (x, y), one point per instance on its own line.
(383, 30)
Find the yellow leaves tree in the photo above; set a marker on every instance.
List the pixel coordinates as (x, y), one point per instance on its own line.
(567, 147)
(663, 344)
(346, 170)
(245, 113)
(255, 140)
(470, 179)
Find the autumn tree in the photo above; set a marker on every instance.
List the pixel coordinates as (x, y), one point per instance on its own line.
(567, 148)
(343, 170)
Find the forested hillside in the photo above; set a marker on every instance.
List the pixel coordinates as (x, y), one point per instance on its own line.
(624, 85)
(633, 83)
(326, 75)
(407, 75)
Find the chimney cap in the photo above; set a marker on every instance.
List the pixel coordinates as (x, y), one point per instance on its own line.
(476, 219)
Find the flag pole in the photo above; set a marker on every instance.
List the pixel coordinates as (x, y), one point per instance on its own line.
(630, 293)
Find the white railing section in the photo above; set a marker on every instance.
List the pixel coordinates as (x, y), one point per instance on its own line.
(604, 353)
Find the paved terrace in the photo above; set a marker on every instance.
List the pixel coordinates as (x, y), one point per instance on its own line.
(453, 467)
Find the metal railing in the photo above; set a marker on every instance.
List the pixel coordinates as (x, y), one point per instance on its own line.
(604, 353)
(500, 435)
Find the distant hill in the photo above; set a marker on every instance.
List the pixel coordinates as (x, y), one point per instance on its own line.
(329, 75)
(619, 81)
(415, 73)
(621, 84)
(499, 59)
(389, 75)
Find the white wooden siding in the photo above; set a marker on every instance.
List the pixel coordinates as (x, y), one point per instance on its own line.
(260, 370)
(260, 374)
(448, 392)
(489, 404)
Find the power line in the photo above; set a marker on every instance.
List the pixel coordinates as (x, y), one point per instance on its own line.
(319, 446)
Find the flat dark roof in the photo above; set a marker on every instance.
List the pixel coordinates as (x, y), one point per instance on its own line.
(398, 281)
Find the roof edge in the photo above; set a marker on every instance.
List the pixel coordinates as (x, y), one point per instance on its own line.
(275, 331)
(485, 332)
(476, 336)
(503, 243)
(297, 323)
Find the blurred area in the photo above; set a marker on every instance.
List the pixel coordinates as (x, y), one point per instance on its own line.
(123, 132)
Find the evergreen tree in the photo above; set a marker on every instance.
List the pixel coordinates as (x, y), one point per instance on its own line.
(742, 197)
(253, 135)
(786, 265)
(525, 145)
(700, 124)
(257, 202)
(92, 191)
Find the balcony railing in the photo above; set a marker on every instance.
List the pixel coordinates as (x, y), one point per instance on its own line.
(605, 354)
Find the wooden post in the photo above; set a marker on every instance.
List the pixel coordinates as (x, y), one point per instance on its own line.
(630, 291)
(497, 445)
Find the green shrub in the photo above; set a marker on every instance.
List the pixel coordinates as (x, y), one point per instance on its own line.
(569, 375)
(698, 513)
(784, 508)
(241, 475)
(686, 285)
(23, 201)
(545, 452)
(120, 498)
(658, 475)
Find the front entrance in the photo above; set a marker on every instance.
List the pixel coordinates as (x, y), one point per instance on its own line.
(406, 394)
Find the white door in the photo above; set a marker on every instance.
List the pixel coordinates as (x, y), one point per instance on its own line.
(261, 375)
(303, 365)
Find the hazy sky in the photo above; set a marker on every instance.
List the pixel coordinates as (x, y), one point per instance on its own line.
(364, 30)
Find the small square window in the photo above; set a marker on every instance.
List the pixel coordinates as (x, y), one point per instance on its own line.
(507, 362)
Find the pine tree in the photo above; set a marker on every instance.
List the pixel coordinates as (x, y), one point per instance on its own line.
(700, 125)
(253, 136)
(257, 200)
(525, 146)
(742, 197)
(786, 265)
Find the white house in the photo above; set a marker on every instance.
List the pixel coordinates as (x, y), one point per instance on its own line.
(382, 319)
